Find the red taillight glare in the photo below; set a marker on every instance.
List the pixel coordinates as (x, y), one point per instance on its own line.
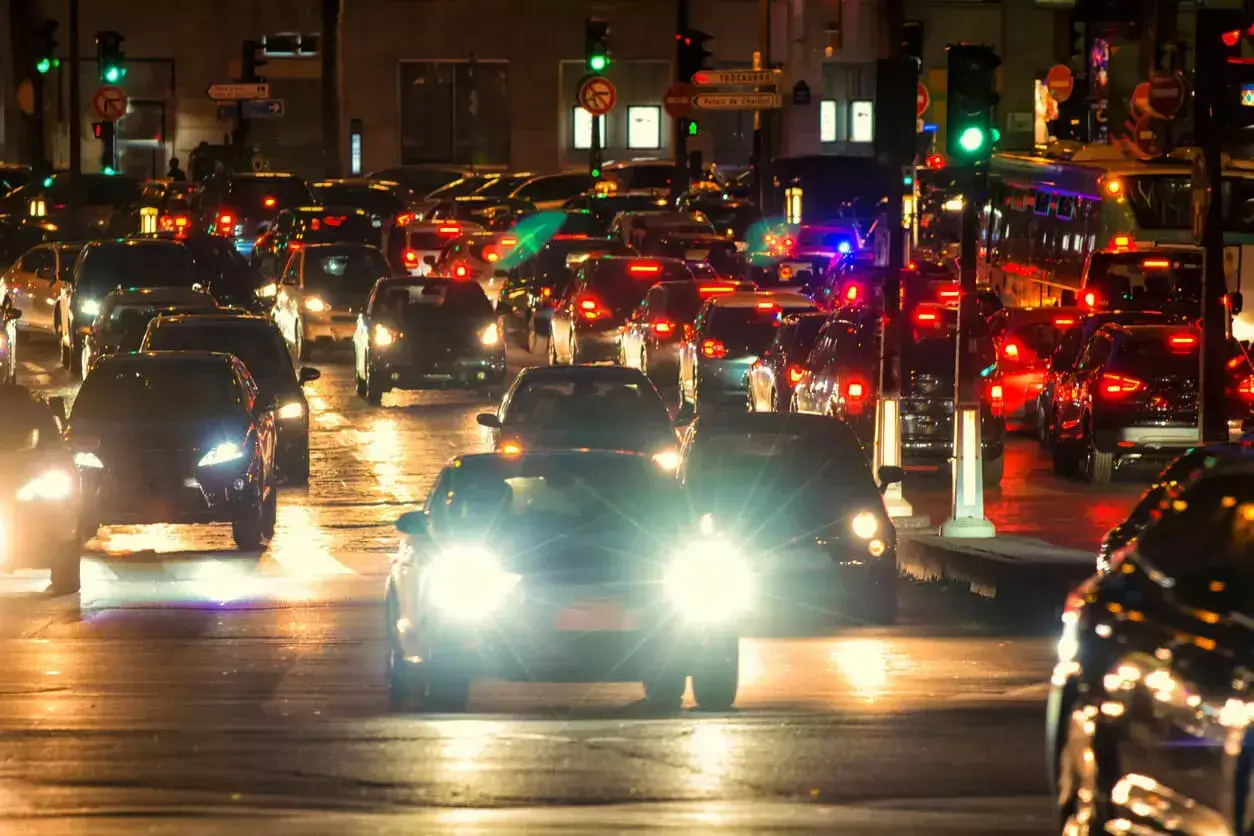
(644, 269)
(663, 328)
(1115, 385)
(713, 349)
(795, 373)
(410, 257)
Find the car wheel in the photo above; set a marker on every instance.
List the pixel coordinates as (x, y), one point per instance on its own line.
(374, 389)
(67, 570)
(446, 694)
(67, 353)
(248, 532)
(664, 691)
(297, 470)
(1083, 786)
(717, 679)
(404, 678)
(360, 384)
(750, 404)
(994, 469)
(1099, 467)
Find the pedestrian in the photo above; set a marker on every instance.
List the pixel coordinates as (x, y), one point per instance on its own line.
(202, 166)
(175, 173)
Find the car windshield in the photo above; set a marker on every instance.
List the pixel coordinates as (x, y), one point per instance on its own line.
(633, 177)
(554, 260)
(131, 318)
(1157, 355)
(1139, 280)
(550, 402)
(621, 284)
(503, 186)
(433, 303)
(159, 391)
(265, 197)
(377, 200)
(1042, 337)
(257, 345)
(96, 191)
(743, 330)
(355, 268)
(460, 187)
(334, 228)
(148, 264)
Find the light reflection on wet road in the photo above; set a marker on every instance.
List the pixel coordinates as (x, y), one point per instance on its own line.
(187, 675)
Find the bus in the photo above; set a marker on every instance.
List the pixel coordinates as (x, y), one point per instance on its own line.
(1046, 216)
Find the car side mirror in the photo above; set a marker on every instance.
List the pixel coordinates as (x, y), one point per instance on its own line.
(1235, 302)
(489, 420)
(412, 523)
(686, 414)
(11, 314)
(308, 374)
(890, 474)
(1068, 298)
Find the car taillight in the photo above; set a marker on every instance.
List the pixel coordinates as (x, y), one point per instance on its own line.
(509, 241)
(926, 317)
(269, 202)
(851, 293)
(1246, 388)
(767, 306)
(644, 269)
(1122, 242)
(1063, 322)
(1182, 342)
(949, 294)
(1116, 385)
(449, 230)
(1010, 351)
(997, 400)
(404, 218)
(714, 289)
(591, 308)
(295, 246)
(855, 397)
(460, 271)
(491, 256)
(663, 329)
(1090, 299)
(713, 349)
(226, 223)
(411, 258)
(795, 373)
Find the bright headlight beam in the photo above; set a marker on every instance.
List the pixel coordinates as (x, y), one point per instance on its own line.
(864, 525)
(221, 453)
(668, 460)
(86, 459)
(383, 336)
(710, 581)
(52, 485)
(291, 411)
(490, 335)
(90, 307)
(315, 304)
(469, 582)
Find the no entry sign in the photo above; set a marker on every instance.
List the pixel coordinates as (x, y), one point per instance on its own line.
(1060, 82)
(922, 99)
(678, 101)
(597, 95)
(1166, 94)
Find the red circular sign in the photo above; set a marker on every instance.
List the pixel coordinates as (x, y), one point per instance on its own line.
(1141, 99)
(597, 95)
(1145, 138)
(922, 99)
(1060, 82)
(109, 102)
(1166, 94)
(678, 100)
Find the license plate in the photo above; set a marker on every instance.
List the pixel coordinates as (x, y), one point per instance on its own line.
(596, 616)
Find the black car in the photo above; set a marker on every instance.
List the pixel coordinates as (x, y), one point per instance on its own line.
(713, 250)
(105, 265)
(427, 333)
(303, 226)
(488, 212)
(175, 437)
(606, 207)
(780, 368)
(651, 337)
(1148, 719)
(47, 200)
(240, 206)
(420, 179)
(255, 341)
(597, 407)
(569, 566)
(797, 492)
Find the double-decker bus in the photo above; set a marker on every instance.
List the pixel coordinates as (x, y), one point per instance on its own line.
(1047, 215)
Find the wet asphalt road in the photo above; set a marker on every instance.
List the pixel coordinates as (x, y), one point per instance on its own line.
(191, 690)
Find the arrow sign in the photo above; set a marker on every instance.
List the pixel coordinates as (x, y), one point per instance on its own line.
(231, 92)
(709, 78)
(736, 101)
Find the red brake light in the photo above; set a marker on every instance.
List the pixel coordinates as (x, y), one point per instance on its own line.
(997, 400)
(713, 349)
(404, 218)
(1063, 322)
(1157, 263)
(295, 246)
(855, 391)
(912, 266)
(491, 256)
(935, 162)
(788, 242)
(460, 271)
(588, 305)
(644, 269)
(1186, 341)
(334, 221)
(710, 289)
(795, 373)
(663, 328)
(924, 316)
(1246, 388)
(181, 220)
(509, 241)
(950, 293)
(1010, 351)
(851, 294)
(449, 230)
(855, 397)
(766, 306)
(269, 202)
(1232, 38)
(1115, 385)
(569, 236)
(225, 221)
(1090, 299)
(411, 257)
(591, 308)
(1122, 242)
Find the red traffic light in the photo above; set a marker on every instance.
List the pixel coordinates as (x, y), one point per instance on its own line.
(935, 162)
(97, 129)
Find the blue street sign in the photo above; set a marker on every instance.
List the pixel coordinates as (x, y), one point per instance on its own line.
(253, 109)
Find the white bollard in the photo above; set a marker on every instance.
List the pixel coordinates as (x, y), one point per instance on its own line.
(968, 509)
(888, 452)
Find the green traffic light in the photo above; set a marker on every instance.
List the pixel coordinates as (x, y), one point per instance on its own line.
(692, 128)
(596, 172)
(47, 182)
(597, 63)
(110, 170)
(971, 140)
(43, 66)
(113, 74)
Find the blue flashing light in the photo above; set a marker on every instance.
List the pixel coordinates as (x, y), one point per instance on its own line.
(930, 127)
(844, 248)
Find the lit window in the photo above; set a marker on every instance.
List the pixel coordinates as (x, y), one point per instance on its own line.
(644, 127)
(861, 121)
(581, 121)
(827, 121)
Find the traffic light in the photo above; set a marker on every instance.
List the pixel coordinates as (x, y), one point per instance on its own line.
(106, 132)
(912, 43)
(1225, 70)
(972, 97)
(252, 59)
(596, 45)
(691, 55)
(691, 128)
(46, 47)
(110, 56)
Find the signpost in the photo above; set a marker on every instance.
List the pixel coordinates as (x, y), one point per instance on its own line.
(732, 78)
(1166, 94)
(922, 100)
(109, 102)
(737, 101)
(678, 100)
(597, 95)
(1060, 82)
(229, 92)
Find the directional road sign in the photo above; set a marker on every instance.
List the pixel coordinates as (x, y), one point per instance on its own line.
(736, 101)
(109, 102)
(713, 78)
(231, 92)
(253, 109)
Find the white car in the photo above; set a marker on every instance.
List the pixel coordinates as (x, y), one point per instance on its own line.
(424, 241)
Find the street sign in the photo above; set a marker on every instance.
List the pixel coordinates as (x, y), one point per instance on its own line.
(736, 101)
(597, 95)
(1060, 82)
(252, 109)
(800, 94)
(109, 102)
(757, 78)
(230, 92)
(1141, 99)
(1145, 138)
(922, 99)
(1166, 94)
(678, 100)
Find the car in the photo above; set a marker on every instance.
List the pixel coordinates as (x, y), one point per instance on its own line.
(550, 191)
(463, 186)
(780, 368)
(98, 197)
(1133, 395)
(589, 315)
(1025, 339)
(638, 175)
(9, 316)
(479, 256)
(489, 212)
(163, 206)
(606, 207)
(422, 180)
(727, 338)
(562, 566)
(125, 314)
(716, 257)
(632, 227)
(1146, 720)
(304, 226)
(651, 337)
(38, 282)
(39, 491)
(797, 493)
(255, 341)
(389, 204)
(732, 218)
(240, 206)
(804, 253)
(104, 265)
(597, 407)
(1167, 279)
(177, 437)
(427, 333)
(426, 241)
(504, 184)
(321, 292)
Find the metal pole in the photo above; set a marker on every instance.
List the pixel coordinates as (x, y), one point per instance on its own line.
(1213, 400)
(332, 10)
(76, 107)
(594, 147)
(761, 118)
(679, 181)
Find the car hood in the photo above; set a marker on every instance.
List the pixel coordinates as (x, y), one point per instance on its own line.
(154, 435)
(634, 439)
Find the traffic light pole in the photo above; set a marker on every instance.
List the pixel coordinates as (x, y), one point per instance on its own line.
(76, 107)
(761, 118)
(40, 159)
(594, 148)
(679, 180)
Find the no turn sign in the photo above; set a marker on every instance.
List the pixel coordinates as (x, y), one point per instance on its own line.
(597, 95)
(109, 102)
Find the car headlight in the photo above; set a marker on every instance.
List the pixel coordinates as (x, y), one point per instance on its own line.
(54, 484)
(316, 305)
(268, 291)
(710, 581)
(490, 335)
(86, 459)
(469, 582)
(383, 336)
(221, 453)
(291, 411)
(668, 460)
(89, 307)
(864, 525)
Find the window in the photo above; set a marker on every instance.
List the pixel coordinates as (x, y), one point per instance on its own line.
(644, 127)
(861, 121)
(827, 121)
(581, 121)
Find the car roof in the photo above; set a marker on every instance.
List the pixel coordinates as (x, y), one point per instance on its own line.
(178, 293)
(750, 299)
(320, 210)
(1147, 330)
(1019, 316)
(112, 243)
(781, 423)
(583, 370)
(263, 175)
(328, 245)
(189, 358)
(609, 456)
(216, 318)
(660, 259)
